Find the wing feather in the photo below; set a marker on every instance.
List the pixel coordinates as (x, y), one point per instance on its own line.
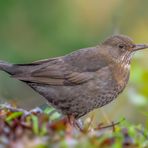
(73, 69)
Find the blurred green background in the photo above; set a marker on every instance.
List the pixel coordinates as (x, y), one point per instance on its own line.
(37, 29)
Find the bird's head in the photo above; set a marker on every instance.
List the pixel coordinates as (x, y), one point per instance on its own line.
(121, 48)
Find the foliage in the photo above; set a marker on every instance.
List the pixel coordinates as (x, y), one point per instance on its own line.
(42, 129)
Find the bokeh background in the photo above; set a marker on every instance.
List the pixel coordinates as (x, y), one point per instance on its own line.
(37, 29)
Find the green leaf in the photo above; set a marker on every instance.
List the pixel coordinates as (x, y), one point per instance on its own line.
(35, 124)
(13, 116)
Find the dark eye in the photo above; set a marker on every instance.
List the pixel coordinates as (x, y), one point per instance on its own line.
(121, 46)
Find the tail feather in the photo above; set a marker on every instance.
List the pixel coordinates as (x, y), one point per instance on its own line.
(7, 67)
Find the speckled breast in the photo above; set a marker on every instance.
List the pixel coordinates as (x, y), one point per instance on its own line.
(113, 83)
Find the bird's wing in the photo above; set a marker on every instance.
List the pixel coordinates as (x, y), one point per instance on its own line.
(71, 79)
(72, 69)
(53, 73)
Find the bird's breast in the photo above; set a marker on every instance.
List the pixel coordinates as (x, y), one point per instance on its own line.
(110, 82)
(120, 73)
(113, 78)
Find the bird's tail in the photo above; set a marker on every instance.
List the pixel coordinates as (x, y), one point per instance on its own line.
(7, 67)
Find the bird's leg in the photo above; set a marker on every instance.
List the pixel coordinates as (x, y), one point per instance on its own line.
(78, 125)
(72, 123)
(71, 119)
(69, 125)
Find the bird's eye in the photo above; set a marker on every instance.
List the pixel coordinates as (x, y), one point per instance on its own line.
(121, 46)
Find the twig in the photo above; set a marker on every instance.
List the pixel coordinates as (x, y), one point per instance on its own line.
(111, 125)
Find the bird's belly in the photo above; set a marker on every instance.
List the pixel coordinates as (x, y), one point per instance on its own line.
(106, 97)
(79, 99)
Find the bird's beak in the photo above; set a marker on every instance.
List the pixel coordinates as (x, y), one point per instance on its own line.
(140, 46)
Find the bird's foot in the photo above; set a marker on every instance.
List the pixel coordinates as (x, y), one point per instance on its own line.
(72, 125)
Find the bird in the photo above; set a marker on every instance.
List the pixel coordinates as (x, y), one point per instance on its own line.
(83, 80)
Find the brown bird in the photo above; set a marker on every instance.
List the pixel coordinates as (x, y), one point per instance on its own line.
(83, 80)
